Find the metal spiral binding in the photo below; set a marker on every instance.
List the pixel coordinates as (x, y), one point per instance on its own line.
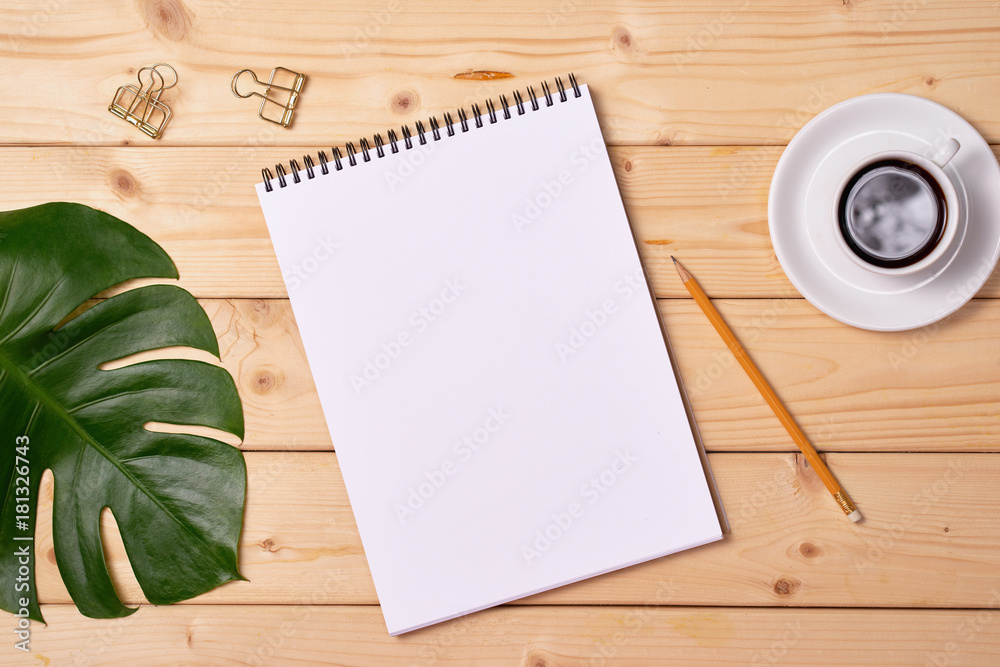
(366, 147)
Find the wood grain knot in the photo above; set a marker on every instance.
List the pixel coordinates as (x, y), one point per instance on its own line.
(806, 474)
(946, 529)
(785, 586)
(628, 165)
(809, 550)
(169, 18)
(259, 314)
(263, 381)
(260, 306)
(404, 102)
(930, 81)
(124, 184)
(268, 545)
(622, 39)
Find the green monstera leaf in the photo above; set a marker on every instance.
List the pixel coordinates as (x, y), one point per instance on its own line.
(177, 498)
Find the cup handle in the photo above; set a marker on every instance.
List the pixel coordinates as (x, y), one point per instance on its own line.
(944, 156)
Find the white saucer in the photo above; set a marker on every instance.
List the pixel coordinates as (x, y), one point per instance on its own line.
(800, 207)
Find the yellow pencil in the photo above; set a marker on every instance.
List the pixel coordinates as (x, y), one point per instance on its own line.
(768, 393)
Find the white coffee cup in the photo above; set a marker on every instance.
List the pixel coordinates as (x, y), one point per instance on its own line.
(897, 212)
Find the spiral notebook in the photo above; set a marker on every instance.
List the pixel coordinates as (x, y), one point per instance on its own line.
(488, 355)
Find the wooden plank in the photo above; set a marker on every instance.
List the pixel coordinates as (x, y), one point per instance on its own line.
(695, 73)
(932, 389)
(311, 634)
(261, 347)
(931, 538)
(708, 205)
(851, 390)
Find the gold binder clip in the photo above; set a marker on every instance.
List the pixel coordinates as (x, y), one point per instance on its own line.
(285, 104)
(141, 105)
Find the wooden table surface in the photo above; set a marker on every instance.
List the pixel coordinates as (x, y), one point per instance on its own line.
(697, 100)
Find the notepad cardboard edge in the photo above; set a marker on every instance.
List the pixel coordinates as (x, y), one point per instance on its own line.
(645, 559)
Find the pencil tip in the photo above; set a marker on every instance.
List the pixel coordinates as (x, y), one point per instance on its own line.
(673, 258)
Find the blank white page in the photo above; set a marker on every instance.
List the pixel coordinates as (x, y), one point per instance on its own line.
(490, 363)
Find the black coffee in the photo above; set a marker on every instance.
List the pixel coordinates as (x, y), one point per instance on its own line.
(892, 213)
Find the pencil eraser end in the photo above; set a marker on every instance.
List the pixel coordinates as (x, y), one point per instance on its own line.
(854, 516)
